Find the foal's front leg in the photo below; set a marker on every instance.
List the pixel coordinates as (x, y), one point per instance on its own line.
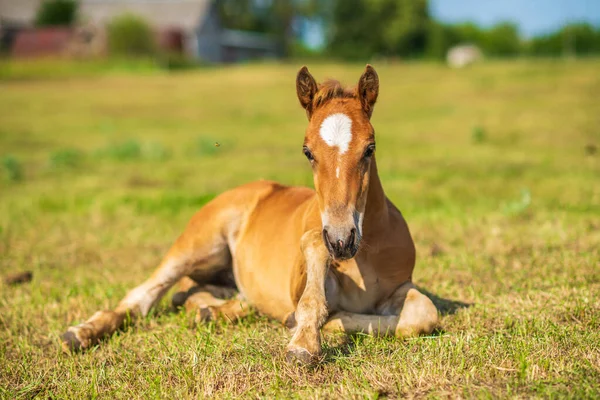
(311, 311)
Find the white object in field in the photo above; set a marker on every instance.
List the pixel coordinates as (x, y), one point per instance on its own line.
(462, 55)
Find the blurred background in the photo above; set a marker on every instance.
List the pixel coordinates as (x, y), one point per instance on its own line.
(483, 104)
(227, 31)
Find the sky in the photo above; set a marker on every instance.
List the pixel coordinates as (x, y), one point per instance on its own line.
(533, 17)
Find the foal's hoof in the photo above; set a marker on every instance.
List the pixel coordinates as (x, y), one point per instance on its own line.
(205, 314)
(70, 343)
(299, 356)
(178, 299)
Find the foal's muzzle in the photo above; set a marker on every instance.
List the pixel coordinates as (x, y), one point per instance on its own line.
(342, 245)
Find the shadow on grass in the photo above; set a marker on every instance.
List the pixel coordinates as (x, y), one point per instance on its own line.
(445, 306)
(343, 348)
(347, 344)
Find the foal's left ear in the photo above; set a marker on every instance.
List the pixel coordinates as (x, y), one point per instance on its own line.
(306, 88)
(368, 89)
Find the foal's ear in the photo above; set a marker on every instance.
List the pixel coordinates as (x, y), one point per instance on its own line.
(306, 88)
(368, 89)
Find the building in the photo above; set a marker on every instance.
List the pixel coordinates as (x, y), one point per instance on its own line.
(193, 23)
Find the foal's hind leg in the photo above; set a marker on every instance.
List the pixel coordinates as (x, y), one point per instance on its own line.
(201, 249)
(406, 313)
(137, 302)
(210, 302)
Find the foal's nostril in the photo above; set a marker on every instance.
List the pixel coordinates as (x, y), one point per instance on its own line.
(340, 246)
(352, 238)
(327, 240)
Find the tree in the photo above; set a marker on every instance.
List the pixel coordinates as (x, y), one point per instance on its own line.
(580, 39)
(56, 12)
(408, 28)
(354, 31)
(366, 28)
(273, 17)
(130, 35)
(573, 39)
(502, 40)
(469, 33)
(440, 38)
(244, 15)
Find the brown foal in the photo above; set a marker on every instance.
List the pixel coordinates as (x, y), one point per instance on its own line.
(294, 253)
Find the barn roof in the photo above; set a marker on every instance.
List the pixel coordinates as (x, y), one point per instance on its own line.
(20, 12)
(186, 14)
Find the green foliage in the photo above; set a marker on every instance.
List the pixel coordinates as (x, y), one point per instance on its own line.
(132, 150)
(124, 151)
(56, 12)
(66, 158)
(439, 40)
(166, 203)
(177, 62)
(299, 51)
(244, 15)
(406, 32)
(353, 36)
(274, 18)
(501, 40)
(155, 151)
(478, 135)
(361, 29)
(52, 68)
(205, 147)
(520, 205)
(12, 168)
(130, 35)
(573, 39)
(367, 28)
(468, 32)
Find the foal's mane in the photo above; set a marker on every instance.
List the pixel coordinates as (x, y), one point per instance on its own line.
(332, 89)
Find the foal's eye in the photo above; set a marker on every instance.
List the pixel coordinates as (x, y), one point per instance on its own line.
(369, 151)
(308, 154)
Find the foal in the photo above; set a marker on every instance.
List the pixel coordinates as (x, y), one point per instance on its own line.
(295, 254)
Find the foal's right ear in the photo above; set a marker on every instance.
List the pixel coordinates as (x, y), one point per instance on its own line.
(306, 88)
(368, 89)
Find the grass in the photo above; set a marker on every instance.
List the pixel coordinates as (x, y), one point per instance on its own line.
(12, 169)
(56, 68)
(490, 165)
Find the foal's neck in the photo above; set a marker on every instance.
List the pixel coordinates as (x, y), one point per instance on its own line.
(376, 208)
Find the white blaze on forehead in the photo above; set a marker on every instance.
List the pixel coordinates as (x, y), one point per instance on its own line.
(336, 131)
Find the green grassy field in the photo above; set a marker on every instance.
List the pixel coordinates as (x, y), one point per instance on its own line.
(495, 167)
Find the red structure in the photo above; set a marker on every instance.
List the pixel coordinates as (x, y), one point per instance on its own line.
(41, 42)
(171, 40)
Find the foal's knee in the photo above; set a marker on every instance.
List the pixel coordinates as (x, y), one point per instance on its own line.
(418, 316)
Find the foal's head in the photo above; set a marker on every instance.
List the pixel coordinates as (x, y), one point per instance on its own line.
(340, 144)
